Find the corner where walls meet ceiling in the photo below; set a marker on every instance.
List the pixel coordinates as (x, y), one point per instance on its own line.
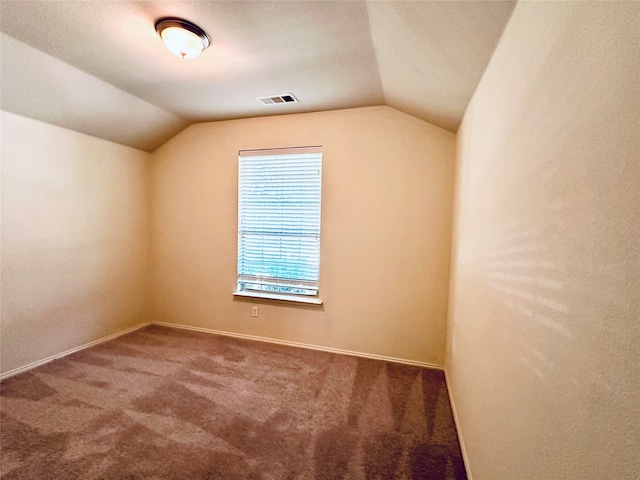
(100, 68)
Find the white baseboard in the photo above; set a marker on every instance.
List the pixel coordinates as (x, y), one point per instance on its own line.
(30, 366)
(456, 420)
(302, 345)
(18, 370)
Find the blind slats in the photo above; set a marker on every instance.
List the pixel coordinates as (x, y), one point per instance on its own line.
(279, 206)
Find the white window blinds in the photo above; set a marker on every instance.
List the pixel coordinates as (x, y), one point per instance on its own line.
(279, 195)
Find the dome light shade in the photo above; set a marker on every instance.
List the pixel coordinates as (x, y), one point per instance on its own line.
(184, 39)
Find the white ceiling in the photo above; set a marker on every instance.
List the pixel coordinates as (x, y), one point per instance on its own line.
(99, 67)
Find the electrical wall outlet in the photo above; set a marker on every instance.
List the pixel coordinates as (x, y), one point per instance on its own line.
(254, 311)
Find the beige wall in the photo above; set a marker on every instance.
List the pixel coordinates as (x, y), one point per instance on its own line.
(74, 239)
(545, 292)
(386, 215)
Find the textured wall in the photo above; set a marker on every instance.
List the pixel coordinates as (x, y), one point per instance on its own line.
(386, 221)
(545, 292)
(74, 239)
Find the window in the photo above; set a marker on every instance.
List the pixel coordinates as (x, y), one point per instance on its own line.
(279, 198)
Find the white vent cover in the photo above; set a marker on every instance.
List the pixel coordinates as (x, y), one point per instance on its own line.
(277, 99)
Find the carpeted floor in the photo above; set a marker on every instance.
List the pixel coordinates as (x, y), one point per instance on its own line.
(164, 403)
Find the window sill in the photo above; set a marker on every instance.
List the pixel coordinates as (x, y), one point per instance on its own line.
(280, 297)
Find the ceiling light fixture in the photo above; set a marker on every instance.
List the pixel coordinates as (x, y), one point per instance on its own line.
(184, 39)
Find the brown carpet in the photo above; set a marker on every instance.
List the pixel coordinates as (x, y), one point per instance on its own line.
(164, 403)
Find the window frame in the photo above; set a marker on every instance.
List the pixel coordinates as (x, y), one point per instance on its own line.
(243, 278)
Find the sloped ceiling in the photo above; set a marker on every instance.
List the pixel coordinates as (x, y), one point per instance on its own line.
(99, 67)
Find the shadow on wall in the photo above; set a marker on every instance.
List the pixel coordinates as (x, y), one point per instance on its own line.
(557, 306)
(556, 277)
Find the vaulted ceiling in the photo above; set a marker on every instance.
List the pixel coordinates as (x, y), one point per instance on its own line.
(99, 67)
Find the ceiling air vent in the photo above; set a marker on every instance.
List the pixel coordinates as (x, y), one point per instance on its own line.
(276, 99)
